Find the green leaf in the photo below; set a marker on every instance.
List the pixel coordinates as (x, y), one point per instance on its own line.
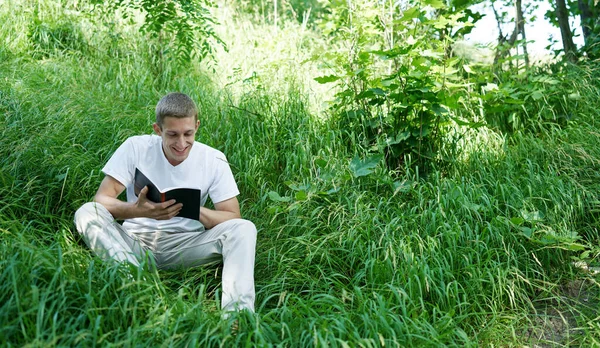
(274, 209)
(548, 239)
(298, 187)
(378, 91)
(391, 141)
(533, 216)
(328, 192)
(441, 22)
(527, 232)
(301, 195)
(438, 109)
(574, 246)
(468, 124)
(333, 190)
(403, 186)
(537, 95)
(435, 3)
(274, 196)
(517, 221)
(365, 94)
(321, 163)
(364, 167)
(409, 14)
(490, 87)
(402, 136)
(327, 79)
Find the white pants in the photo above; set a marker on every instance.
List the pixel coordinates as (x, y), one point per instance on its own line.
(234, 241)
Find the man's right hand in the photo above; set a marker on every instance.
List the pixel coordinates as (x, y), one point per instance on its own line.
(110, 189)
(159, 211)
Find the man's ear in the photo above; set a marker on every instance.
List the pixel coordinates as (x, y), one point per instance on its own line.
(156, 128)
(197, 124)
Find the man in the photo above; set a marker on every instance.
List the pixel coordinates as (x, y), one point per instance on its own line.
(172, 158)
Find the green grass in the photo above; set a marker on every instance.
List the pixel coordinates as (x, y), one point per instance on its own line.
(472, 254)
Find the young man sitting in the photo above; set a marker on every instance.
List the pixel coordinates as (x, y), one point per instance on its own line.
(172, 158)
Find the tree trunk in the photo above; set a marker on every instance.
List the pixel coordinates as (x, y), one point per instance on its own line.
(590, 24)
(562, 15)
(521, 28)
(504, 45)
(585, 13)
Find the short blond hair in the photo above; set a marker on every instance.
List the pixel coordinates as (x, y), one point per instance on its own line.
(175, 105)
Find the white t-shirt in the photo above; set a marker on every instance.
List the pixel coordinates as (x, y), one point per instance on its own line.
(205, 168)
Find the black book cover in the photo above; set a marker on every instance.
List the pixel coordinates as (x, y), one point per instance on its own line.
(190, 198)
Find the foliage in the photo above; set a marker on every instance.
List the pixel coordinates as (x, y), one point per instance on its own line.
(587, 11)
(397, 77)
(182, 29)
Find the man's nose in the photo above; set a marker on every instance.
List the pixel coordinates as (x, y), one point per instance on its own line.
(181, 141)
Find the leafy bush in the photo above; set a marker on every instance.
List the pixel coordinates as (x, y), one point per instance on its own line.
(182, 29)
(396, 80)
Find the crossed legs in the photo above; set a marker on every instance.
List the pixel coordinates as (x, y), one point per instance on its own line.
(234, 241)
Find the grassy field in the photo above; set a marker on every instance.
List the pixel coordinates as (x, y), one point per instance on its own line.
(496, 248)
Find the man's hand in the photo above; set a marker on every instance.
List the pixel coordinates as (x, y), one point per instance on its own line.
(158, 211)
(110, 189)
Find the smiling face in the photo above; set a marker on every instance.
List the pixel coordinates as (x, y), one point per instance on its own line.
(178, 134)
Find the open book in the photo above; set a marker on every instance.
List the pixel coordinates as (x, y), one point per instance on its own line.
(190, 198)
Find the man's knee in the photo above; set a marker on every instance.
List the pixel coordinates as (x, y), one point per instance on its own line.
(87, 208)
(246, 225)
(243, 228)
(89, 212)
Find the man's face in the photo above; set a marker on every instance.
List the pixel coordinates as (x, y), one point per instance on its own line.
(177, 137)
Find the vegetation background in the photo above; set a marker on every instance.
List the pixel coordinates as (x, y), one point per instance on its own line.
(406, 194)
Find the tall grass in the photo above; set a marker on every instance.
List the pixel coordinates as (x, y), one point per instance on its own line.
(466, 256)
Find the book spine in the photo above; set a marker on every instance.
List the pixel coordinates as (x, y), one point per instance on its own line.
(162, 197)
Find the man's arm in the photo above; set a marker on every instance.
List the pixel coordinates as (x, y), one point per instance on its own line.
(226, 210)
(110, 188)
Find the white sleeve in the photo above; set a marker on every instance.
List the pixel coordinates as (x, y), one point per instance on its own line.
(223, 186)
(121, 164)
